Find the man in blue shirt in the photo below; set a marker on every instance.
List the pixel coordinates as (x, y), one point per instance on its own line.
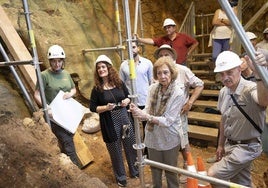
(144, 76)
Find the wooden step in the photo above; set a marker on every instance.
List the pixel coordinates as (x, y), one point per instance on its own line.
(203, 72)
(203, 55)
(198, 63)
(209, 82)
(203, 133)
(204, 117)
(209, 92)
(205, 103)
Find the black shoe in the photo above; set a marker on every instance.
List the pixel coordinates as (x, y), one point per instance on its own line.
(122, 183)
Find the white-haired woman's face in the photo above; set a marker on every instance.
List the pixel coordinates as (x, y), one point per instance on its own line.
(163, 75)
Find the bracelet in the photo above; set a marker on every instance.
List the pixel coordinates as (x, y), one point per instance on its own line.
(150, 119)
(258, 79)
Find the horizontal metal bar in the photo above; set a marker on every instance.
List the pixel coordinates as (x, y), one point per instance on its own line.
(192, 174)
(9, 63)
(104, 49)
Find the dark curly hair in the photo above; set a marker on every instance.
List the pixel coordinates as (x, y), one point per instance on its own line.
(113, 77)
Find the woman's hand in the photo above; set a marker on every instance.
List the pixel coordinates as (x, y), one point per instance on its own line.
(67, 95)
(138, 113)
(110, 106)
(125, 102)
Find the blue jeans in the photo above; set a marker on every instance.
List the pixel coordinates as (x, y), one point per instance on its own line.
(219, 45)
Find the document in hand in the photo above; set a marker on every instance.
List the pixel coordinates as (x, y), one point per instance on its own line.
(67, 113)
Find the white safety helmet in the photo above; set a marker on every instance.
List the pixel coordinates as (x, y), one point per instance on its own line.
(166, 47)
(251, 35)
(103, 58)
(265, 31)
(227, 60)
(55, 51)
(168, 21)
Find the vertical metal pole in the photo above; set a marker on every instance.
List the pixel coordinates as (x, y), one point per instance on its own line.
(117, 18)
(244, 39)
(141, 20)
(141, 27)
(136, 16)
(35, 60)
(18, 80)
(138, 146)
(202, 32)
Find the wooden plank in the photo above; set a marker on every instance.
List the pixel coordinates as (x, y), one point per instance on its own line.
(17, 48)
(199, 63)
(214, 93)
(209, 82)
(206, 117)
(257, 16)
(203, 133)
(202, 55)
(82, 150)
(205, 103)
(209, 92)
(203, 72)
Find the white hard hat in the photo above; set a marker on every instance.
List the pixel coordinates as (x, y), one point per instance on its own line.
(103, 58)
(166, 47)
(265, 31)
(226, 61)
(55, 51)
(251, 35)
(168, 21)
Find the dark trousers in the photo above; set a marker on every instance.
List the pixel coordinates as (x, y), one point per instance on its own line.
(66, 142)
(143, 130)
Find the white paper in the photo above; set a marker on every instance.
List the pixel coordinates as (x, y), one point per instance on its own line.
(67, 113)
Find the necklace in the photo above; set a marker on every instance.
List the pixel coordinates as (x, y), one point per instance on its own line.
(107, 86)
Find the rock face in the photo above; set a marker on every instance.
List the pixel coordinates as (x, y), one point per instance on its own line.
(30, 157)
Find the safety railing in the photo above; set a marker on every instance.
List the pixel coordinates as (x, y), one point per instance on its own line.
(202, 32)
(188, 24)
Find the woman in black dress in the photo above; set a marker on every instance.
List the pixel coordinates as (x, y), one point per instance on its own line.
(109, 98)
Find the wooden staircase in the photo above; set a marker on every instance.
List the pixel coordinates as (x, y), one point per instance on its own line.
(204, 119)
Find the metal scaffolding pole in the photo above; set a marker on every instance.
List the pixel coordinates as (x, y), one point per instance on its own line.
(192, 174)
(8, 63)
(117, 18)
(132, 74)
(244, 39)
(104, 49)
(35, 60)
(17, 78)
(136, 16)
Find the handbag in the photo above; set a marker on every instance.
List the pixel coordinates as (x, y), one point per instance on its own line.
(126, 127)
(246, 115)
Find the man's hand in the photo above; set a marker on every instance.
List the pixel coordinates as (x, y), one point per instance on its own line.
(259, 60)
